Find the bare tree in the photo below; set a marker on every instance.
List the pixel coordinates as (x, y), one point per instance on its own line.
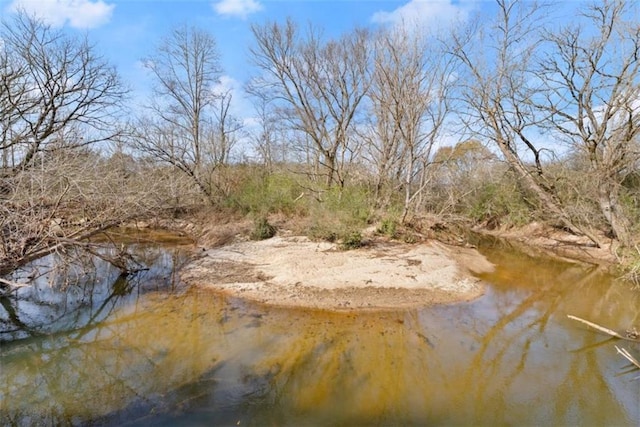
(497, 86)
(267, 136)
(318, 86)
(56, 98)
(591, 77)
(50, 81)
(224, 130)
(409, 99)
(189, 125)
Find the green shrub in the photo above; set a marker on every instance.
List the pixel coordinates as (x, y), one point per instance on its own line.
(630, 203)
(261, 193)
(352, 203)
(389, 228)
(262, 230)
(335, 213)
(326, 214)
(322, 232)
(353, 240)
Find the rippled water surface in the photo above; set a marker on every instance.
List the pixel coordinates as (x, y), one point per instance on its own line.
(189, 357)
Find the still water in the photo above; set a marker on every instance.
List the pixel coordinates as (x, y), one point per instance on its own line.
(169, 355)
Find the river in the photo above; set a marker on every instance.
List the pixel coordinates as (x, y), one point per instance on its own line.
(159, 353)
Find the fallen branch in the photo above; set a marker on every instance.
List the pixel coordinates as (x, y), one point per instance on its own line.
(625, 353)
(7, 286)
(603, 329)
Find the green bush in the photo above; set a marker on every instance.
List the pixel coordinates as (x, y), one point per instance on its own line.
(353, 204)
(322, 232)
(262, 230)
(353, 240)
(389, 228)
(336, 213)
(261, 193)
(630, 202)
(325, 214)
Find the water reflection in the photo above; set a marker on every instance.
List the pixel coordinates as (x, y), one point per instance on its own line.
(198, 358)
(72, 290)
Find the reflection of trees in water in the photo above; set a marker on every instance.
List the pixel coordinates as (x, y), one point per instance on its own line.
(53, 304)
(520, 354)
(506, 358)
(62, 375)
(510, 357)
(137, 354)
(80, 289)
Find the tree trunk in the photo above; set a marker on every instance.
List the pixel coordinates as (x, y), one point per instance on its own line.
(407, 190)
(330, 165)
(608, 200)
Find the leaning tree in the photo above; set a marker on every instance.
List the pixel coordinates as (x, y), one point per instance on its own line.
(498, 85)
(591, 86)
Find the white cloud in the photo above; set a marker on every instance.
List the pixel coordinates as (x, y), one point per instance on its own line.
(435, 13)
(240, 105)
(238, 8)
(228, 84)
(77, 13)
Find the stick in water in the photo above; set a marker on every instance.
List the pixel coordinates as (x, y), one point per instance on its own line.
(598, 327)
(628, 356)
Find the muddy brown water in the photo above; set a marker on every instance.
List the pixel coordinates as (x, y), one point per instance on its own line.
(176, 356)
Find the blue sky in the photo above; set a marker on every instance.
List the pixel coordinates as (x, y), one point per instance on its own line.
(127, 30)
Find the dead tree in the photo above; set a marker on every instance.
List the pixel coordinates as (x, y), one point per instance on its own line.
(49, 82)
(409, 100)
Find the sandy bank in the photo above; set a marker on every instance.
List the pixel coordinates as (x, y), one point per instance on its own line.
(294, 271)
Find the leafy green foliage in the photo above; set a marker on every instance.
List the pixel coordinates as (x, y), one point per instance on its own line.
(351, 203)
(338, 213)
(630, 203)
(261, 193)
(318, 231)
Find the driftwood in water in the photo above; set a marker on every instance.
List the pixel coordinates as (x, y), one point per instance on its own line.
(622, 335)
(629, 336)
(625, 353)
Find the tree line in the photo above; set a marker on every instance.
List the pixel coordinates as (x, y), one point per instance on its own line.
(516, 108)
